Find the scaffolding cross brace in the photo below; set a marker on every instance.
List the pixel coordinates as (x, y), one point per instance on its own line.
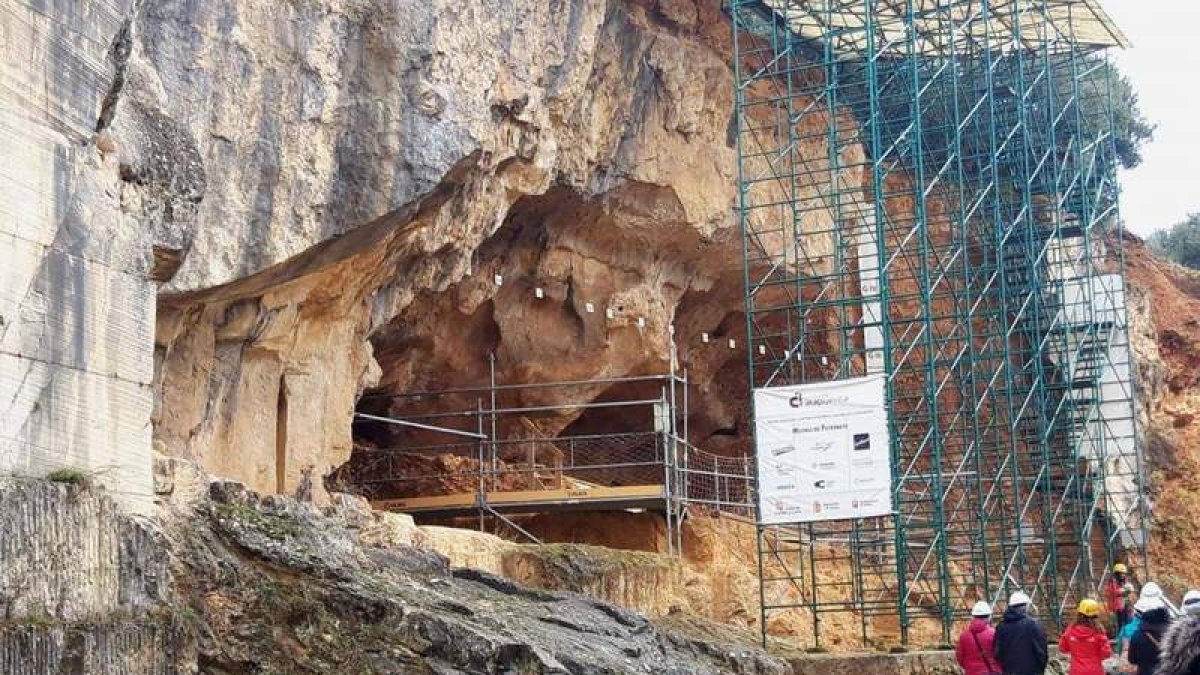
(927, 190)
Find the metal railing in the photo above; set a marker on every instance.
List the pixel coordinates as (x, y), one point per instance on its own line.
(600, 460)
(542, 438)
(716, 482)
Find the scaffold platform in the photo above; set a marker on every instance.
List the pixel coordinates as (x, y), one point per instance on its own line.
(531, 448)
(596, 498)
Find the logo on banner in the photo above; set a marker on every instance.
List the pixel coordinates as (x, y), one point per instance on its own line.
(797, 400)
(783, 469)
(862, 442)
(823, 446)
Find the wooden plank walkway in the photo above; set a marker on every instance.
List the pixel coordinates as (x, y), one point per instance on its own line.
(577, 497)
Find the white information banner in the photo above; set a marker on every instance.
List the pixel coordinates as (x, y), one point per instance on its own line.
(823, 451)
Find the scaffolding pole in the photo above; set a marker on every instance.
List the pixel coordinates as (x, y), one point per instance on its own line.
(927, 189)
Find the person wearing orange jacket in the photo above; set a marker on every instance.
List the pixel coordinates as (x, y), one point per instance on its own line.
(1085, 641)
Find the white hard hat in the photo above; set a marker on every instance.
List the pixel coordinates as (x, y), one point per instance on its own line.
(981, 608)
(1147, 604)
(1151, 590)
(1018, 598)
(1191, 602)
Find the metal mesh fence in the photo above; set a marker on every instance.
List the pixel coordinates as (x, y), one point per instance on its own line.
(716, 482)
(570, 462)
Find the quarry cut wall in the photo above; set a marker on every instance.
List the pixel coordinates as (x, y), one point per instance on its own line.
(77, 299)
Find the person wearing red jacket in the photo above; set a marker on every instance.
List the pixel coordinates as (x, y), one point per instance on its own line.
(1117, 595)
(1086, 642)
(976, 644)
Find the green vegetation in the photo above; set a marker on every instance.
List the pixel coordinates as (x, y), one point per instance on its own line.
(186, 615)
(274, 526)
(1179, 243)
(1131, 130)
(67, 475)
(598, 558)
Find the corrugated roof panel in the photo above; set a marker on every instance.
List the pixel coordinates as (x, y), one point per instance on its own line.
(951, 26)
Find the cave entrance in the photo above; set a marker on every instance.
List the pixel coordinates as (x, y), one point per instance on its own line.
(509, 452)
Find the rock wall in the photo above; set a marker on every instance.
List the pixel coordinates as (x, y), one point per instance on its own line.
(336, 219)
(78, 301)
(69, 554)
(83, 588)
(582, 147)
(930, 663)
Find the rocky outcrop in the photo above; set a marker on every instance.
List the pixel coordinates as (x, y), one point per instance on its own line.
(84, 588)
(70, 555)
(713, 582)
(274, 585)
(255, 562)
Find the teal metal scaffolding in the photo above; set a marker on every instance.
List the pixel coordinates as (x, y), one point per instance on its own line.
(928, 191)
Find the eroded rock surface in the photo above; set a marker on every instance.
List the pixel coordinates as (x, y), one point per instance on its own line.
(579, 147)
(273, 585)
(278, 585)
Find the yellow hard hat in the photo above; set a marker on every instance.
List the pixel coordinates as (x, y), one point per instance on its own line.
(1089, 607)
(1120, 567)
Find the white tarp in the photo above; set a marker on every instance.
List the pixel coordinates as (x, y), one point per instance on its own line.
(823, 451)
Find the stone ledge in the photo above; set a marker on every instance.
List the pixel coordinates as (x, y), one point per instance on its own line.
(911, 663)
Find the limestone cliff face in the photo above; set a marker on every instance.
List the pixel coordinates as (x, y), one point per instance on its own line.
(312, 119)
(326, 193)
(369, 177)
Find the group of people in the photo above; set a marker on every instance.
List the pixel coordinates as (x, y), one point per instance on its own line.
(1150, 635)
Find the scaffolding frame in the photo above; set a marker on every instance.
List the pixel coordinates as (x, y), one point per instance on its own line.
(502, 464)
(927, 190)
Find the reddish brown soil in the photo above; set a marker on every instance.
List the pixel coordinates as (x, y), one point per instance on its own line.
(1173, 436)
